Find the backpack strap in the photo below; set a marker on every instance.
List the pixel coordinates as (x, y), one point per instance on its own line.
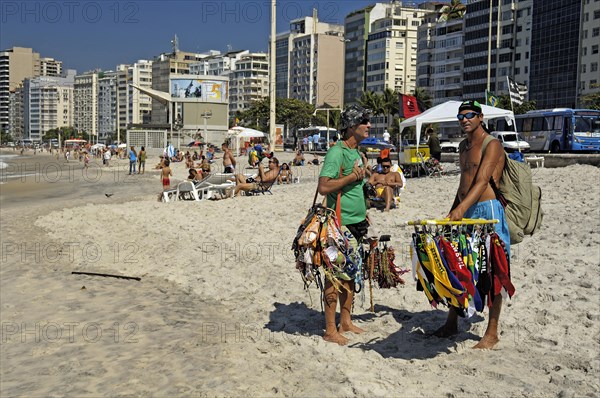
(499, 195)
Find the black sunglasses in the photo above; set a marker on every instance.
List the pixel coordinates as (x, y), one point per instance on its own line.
(469, 115)
(386, 166)
(365, 121)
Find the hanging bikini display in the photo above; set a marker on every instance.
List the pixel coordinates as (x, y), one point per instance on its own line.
(463, 264)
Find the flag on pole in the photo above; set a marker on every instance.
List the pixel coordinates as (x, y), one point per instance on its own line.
(490, 98)
(516, 91)
(409, 106)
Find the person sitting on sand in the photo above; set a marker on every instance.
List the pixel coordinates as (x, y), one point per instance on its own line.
(285, 175)
(189, 163)
(386, 182)
(243, 183)
(298, 159)
(161, 163)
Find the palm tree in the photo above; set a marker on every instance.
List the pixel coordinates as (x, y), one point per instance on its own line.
(423, 97)
(455, 10)
(391, 104)
(373, 101)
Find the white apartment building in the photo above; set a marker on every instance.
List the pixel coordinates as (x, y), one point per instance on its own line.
(47, 104)
(309, 62)
(216, 64)
(139, 107)
(107, 105)
(248, 82)
(392, 50)
(589, 59)
(86, 102)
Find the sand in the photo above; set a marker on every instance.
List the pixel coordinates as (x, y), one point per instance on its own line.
(221, 311)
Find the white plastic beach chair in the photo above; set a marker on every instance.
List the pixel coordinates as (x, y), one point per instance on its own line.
(186, 190)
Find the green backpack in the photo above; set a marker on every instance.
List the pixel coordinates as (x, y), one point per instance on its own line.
(519, 196)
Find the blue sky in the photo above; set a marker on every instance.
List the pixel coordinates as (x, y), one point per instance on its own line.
(101, 34)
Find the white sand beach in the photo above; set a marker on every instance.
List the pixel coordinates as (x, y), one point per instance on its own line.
(221, 311)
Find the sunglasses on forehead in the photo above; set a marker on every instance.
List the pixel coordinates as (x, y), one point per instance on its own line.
(469, 115)
(365, 121)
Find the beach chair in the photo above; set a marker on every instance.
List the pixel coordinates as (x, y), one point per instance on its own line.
(186, 190)
(263, 188)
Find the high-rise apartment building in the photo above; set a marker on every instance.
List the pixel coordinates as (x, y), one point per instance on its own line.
(248, 82)
(440, 57)
(16, 64)
(589, 53)
(86, 102)
(357, 26)
(139, 109)
(15, 114)
(309, 62)
(508, 39)
(107, 104)
(47, 104)
(391, 55)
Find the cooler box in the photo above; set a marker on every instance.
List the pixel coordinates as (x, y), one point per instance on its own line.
(410, 153)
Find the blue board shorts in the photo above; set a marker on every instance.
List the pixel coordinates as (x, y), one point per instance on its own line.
(489, 210)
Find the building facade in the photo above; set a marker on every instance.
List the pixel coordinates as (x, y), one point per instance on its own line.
(47, 104)
(309, 62)
(249, 82)
(107, 105)
(16, 64)
(86, 103)
(589, 54)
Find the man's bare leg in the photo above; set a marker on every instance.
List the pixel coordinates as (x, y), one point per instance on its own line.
(346, 296)
(450, 328)
(388, 194)
(490, 337)
(330, 297)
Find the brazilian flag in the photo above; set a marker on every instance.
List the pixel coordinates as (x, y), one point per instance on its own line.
(490, 98)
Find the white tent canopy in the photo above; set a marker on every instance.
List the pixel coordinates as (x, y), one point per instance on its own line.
(447, 112)
(239, 132)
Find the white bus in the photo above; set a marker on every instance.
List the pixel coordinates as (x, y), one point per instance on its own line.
(325, 136)
(75, 144)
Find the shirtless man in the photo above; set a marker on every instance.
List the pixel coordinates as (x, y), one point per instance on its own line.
(228, 159)
(475, 198)
(243, 184)
(386, 182)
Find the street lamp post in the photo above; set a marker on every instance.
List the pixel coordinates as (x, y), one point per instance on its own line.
(206, 115)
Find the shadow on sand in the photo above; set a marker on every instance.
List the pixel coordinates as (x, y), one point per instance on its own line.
(413, 340)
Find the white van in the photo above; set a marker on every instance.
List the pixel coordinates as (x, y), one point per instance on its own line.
(509, 141)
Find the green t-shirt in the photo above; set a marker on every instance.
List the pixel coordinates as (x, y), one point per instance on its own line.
(354, 206)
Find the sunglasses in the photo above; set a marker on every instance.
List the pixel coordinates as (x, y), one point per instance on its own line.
(365, 121)
(469, 115)
(385, 166)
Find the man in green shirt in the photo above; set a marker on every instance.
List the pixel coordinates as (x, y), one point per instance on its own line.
(344, 171)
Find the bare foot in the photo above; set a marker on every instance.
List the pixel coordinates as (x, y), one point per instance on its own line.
(335, 338)
(446, 331)
(351, 328)
(487, 342)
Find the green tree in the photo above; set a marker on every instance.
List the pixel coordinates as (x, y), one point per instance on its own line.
(5, 137)
(373, 101)
(291, 112)
(591, 101)
(504, 103)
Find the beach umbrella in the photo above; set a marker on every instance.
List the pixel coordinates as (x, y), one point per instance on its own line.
(170, 150)
(195, 143)
(112, 146)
